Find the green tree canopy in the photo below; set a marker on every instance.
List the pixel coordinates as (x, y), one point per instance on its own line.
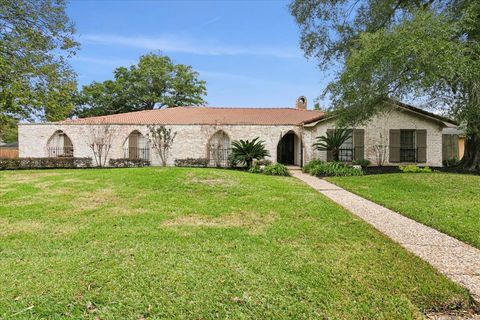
(154, 82)
(36, 82)
(425, 51)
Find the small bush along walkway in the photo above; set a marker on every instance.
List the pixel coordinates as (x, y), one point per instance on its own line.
(445, 201)
(199, 243)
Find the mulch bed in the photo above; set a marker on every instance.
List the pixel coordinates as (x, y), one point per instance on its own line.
(395, 169)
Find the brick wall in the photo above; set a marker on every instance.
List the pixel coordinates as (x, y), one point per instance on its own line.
(191, 140)
(377, 133)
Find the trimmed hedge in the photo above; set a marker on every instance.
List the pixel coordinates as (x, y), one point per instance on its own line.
(128, 163)
(191, 162)
(45, 163)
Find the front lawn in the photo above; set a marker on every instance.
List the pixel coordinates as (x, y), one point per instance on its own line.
(198, 243)
(447, 202)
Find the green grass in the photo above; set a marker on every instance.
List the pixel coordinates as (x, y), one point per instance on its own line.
(447, 202)
(198, 243)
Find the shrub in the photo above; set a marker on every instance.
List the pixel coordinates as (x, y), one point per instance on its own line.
(191, 162)
(276, 169)
(363, 162)
(255, 169)
(453, 162)
(245, 151)
(414, 169)
(318, 169)
(335, 169)
(45, 163)
(128, 163)
(263, 162)
(312, 163)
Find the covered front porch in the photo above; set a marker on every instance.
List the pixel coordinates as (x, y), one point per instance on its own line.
(290, 149)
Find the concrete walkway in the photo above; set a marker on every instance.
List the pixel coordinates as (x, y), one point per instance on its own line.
(455, 259)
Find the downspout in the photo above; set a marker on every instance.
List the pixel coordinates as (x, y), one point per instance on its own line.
(301, 145)
(301, 153)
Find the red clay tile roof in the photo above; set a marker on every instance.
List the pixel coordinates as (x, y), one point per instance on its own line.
(208, 115)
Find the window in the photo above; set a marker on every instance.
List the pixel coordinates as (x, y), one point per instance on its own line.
(408, 145)
(136, 147)
(60, 145)
(408, 150)
(352, 149)
(346, 149)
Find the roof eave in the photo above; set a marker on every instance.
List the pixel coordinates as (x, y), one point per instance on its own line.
(435, 117)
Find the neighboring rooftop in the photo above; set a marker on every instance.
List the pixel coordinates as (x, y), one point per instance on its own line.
(208, 115)
(9, 144)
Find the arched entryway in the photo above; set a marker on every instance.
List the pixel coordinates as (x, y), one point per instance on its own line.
(289, 149)
(218, 149)
(59, 145)
(136, 146)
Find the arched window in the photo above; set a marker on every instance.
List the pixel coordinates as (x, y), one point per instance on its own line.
(219, 149)
(60, 145)
(136, 146)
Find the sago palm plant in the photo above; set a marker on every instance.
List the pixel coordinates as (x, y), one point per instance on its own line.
(332, 142)
(244, 151)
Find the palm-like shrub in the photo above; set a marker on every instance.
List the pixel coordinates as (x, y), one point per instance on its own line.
(332, 142)
(244, 151)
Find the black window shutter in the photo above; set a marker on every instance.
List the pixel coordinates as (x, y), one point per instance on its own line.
(359, 144)
(421, 146)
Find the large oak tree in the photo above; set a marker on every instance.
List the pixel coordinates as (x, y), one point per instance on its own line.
(154, 82)
(427, 51)
(36, 82)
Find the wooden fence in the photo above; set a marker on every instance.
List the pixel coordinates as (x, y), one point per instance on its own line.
(8, 152)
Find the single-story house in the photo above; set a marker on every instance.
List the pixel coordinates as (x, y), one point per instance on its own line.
(403, 134)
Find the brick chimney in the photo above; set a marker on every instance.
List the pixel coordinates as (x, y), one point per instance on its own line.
(301, 103)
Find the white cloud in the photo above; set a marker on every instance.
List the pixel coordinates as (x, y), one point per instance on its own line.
(183, 45)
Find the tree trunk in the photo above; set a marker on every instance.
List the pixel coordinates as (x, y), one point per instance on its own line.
(336, 155)
(471, 158)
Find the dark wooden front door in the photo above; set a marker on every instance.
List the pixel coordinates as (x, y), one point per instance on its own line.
(286, 149)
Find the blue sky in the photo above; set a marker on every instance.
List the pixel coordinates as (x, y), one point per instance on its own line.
(247, 51)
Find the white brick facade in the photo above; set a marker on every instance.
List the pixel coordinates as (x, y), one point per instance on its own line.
(191, 140)
(377, 133)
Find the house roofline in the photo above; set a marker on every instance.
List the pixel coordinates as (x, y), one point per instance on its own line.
(164, 124)
(426, 114)
(422, 112)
